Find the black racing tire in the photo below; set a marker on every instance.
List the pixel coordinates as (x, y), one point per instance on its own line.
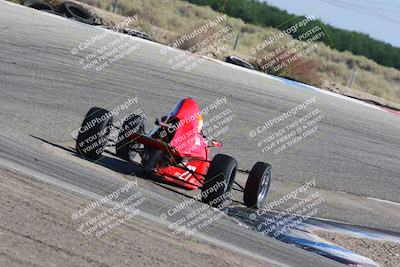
(257, 185)
(75, 11)
(218, 180)
(239, 62)
(93, 134)
(39, 5)
(132, 123)
(137, 33)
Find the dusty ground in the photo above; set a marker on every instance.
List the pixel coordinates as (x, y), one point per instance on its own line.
(385, 253)
(36, 229)
(343, 90)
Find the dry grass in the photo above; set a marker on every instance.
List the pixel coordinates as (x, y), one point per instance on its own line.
(286, 64)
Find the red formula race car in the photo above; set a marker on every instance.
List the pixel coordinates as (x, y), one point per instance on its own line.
(176, 151)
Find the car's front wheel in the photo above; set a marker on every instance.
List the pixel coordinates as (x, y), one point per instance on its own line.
(218, 181)
(257, 185)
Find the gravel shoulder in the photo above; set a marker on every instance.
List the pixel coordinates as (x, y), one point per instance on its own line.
(36, 229)
(385, 253)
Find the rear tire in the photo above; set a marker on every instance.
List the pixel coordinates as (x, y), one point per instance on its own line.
(133, 123)
(257, 185)
(93, 134)
(218, 181)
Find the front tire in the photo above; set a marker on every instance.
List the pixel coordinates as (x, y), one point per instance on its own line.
(257, 185)
(93, 134)
(218, 181)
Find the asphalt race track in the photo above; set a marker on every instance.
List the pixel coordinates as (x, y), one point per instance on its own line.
(44, 94)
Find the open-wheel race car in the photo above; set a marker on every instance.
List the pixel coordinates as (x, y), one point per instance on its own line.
(176, 151)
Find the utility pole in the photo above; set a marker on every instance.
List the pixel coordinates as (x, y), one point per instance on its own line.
(353, 75)
(236, 41)
(113, 5)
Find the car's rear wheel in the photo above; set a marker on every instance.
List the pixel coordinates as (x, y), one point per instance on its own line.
(257, 185)
(93, 134)
(125, 147)
(218, 181)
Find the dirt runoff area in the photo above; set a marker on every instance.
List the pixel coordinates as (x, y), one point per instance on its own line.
(36, 229)
(385, 253)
